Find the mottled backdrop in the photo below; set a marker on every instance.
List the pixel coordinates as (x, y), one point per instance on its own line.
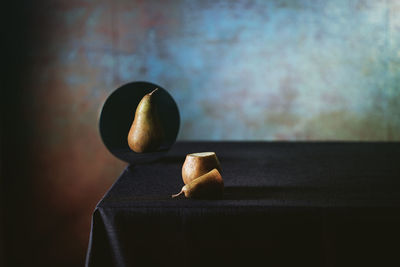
(262, 70)
(239, 70)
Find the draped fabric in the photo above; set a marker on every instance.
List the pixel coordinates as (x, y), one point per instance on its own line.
(284, 204)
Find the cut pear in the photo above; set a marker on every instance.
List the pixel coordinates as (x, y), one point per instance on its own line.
(209, 185)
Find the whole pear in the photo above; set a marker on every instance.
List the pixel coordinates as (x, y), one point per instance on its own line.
(146, 133)
(209, 185)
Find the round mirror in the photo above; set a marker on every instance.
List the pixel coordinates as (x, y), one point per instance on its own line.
(118, 113)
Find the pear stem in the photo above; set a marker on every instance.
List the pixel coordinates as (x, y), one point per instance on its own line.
(153, 91)
(177, 195)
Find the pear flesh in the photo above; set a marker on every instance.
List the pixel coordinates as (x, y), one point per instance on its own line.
(146, 133)
(208, 186)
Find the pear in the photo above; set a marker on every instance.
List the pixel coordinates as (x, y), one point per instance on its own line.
(197, 164)
(209, 185)
(146, 133)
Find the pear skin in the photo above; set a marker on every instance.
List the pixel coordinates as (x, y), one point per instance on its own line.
(207, 186)
(197, 164)
(146, 133)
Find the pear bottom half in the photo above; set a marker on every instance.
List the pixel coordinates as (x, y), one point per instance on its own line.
(197, 164)
(207, 186)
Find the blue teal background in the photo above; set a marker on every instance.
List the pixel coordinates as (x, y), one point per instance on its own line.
(238, 70)
(270, 70)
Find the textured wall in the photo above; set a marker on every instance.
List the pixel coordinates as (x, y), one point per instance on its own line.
(238, 69)
(270, 70)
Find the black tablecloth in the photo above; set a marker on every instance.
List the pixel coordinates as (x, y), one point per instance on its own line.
(285, 204)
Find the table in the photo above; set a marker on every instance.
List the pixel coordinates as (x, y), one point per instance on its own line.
(285, 204)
